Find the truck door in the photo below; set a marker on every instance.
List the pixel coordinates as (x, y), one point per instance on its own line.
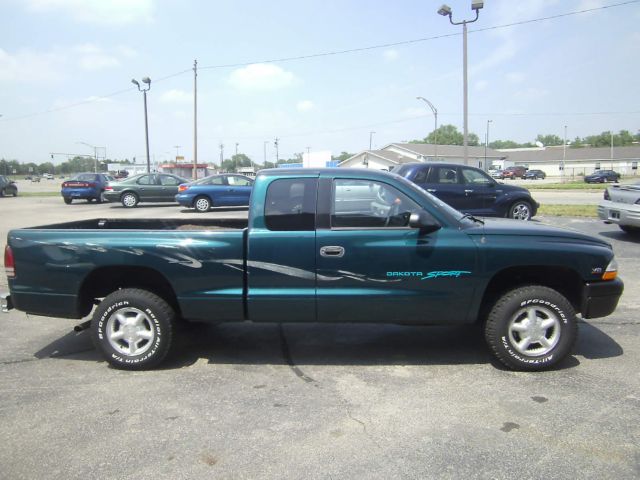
(281, 252)
(372, 267)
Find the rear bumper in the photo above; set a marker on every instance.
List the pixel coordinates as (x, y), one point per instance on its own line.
(82, 193)
(600, 299)
(619, 213)
(184, 200)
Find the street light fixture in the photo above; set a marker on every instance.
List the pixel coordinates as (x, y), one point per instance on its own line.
(147, 81)
(446, 11)
(435, 128)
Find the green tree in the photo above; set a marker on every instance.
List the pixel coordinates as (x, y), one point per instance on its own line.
(549, 140)
(342, 157)
(448, 135)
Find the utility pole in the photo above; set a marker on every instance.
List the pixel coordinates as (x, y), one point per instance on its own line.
(195, 119)
(486, 143)
(564, 151)
(275, 143)
(371, 139)
(264, 145)
(221, 154)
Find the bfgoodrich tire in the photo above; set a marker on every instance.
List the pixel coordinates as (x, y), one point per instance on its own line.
(133, 329)
(531, 328)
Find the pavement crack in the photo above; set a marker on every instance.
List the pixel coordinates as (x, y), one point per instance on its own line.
(286, 353)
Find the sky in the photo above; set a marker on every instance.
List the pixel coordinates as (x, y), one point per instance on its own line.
(66, 68)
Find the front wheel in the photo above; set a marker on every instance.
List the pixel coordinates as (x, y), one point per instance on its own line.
(129, 200)
(531, 328)
(133, 329)
(67, 200)
(202, 204)
(520, 210)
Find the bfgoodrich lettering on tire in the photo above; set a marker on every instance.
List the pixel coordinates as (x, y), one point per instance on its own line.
(133, 329)
(531, 328)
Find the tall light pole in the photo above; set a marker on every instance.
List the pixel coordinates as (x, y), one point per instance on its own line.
(264, 147)
(486, 144)
(146, 81)
(445, 11)
(564, 152)
(371, 139)
(435, 127)
(275, 143)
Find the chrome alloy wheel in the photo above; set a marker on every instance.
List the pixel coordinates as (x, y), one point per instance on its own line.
(520, 211)
(130, 331)
(534, 330)
(202, 204)
(129, 200)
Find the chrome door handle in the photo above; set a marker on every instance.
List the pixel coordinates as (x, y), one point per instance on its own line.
(332, 251)
(431, 190)
(468, 191)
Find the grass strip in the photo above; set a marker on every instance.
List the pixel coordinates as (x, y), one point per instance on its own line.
(38, 194)
(569, 210)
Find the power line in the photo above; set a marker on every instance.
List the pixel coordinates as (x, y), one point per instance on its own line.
(327, 54)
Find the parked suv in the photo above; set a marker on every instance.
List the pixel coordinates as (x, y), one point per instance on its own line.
(470, 190)
(534, 175)
(514, 172)
(602, 176)
(7, 187)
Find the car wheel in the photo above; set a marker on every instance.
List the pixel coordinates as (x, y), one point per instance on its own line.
(202, 204)
(531, 328)
(133, 329)
(129, 200)
(67, 200)
(99, 198)
(14, 192)
(520, 210)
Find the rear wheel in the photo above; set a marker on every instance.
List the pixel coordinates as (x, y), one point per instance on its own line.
(520, 210)
(67, 200)
(133, 329)
(531, 328)
(129, 200)
(202, 204)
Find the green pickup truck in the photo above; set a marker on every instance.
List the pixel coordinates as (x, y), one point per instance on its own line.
(327, 245)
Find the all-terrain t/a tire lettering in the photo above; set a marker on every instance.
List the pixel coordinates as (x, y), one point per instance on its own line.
(531, 328)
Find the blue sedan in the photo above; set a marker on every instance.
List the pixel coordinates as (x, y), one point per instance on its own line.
(87, 186)
(215, 191)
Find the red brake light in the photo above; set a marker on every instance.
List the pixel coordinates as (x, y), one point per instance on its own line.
(108, 189)
(182, 188)
(9, 262)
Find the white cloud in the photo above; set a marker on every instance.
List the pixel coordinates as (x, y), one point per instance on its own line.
(110, 12)
(481, 85)
(31, 67)
(305, 105)
(390, 55)
(92, 57)
(515, 77)
(261, 76)
(176, 96)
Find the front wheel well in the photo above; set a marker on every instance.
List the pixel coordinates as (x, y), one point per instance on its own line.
(564, 280)
(106, 280)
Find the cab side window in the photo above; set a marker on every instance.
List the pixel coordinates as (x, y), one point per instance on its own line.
(291, 204)
(474, 177)
(369, 204)
(444, 175)
(239, 181)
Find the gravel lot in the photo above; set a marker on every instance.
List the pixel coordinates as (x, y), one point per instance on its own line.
(315, 401)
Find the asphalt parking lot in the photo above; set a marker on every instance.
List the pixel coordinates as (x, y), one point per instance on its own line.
(315, 401)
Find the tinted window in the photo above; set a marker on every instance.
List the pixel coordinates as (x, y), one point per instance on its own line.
(369, 204)
(472, 176)
(217, 180)
(169, 180)
(146, 180)
(421, 176)
(444, 175)
(291, 204)
(239, 181)
(85, 177)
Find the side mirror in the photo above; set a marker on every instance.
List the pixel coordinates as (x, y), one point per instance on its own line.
(423, 222)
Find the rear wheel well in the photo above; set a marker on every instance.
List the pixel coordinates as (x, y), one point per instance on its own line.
(105, 280)
(564, 280)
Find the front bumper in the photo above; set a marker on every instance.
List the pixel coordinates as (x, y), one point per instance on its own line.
(5, 302)
(619, 213)
(600, 299)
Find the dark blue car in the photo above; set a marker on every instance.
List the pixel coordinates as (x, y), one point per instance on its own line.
(470, 190)
(215, 191)
(85, 186)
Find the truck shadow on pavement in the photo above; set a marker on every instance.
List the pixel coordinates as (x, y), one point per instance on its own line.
(621, 236)
(330, 344)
